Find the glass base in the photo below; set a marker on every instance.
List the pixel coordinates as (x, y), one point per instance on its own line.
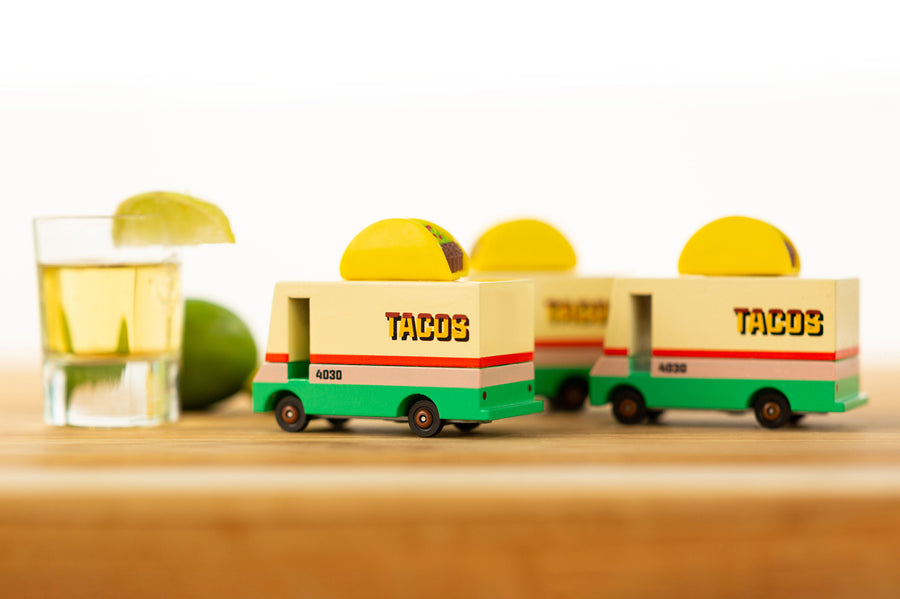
(111, 392)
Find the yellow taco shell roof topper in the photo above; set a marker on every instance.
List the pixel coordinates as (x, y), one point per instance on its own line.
(404, 249)
(525, 244)
(739, 246)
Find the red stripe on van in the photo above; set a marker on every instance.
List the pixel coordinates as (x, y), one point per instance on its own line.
(276, 357)
(422, 360)
(770, 355)
(615, 351)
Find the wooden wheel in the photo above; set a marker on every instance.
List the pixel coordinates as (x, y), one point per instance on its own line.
(772, 409)
(424, 419)
(290, 414)
(628, 406)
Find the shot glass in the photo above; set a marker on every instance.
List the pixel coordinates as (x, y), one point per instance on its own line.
(111, 324)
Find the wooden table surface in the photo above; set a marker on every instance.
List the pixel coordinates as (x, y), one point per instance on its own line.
(224, 503)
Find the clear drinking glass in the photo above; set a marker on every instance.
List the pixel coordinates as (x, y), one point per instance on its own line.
(111, 323)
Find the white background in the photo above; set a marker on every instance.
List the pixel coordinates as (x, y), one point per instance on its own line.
(626, 124)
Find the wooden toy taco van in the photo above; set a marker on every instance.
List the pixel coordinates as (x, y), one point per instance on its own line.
(400, 339)
(570, 310)
(737, 331)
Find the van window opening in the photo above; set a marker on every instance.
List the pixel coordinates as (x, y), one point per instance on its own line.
(641, 333)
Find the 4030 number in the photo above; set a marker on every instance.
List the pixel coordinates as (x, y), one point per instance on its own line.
(328, 375)
(672, 367)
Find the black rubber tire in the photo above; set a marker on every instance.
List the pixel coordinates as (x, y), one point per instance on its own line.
(290, 415)
(424, 419)
(466, 427)
(570, 396)
(338, 422)
(772, 409)
(628, 406)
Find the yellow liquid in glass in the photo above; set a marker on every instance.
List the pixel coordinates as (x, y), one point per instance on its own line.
(111, 310)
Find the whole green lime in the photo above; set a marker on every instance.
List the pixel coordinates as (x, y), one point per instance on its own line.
(218, 354)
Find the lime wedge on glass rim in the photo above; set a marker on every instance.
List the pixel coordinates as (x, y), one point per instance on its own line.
(170, 218)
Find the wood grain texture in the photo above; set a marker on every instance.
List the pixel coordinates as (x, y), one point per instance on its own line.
(225, 504)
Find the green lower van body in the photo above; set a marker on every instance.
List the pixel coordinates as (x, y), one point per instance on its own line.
(393, 402)
(661, 393)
